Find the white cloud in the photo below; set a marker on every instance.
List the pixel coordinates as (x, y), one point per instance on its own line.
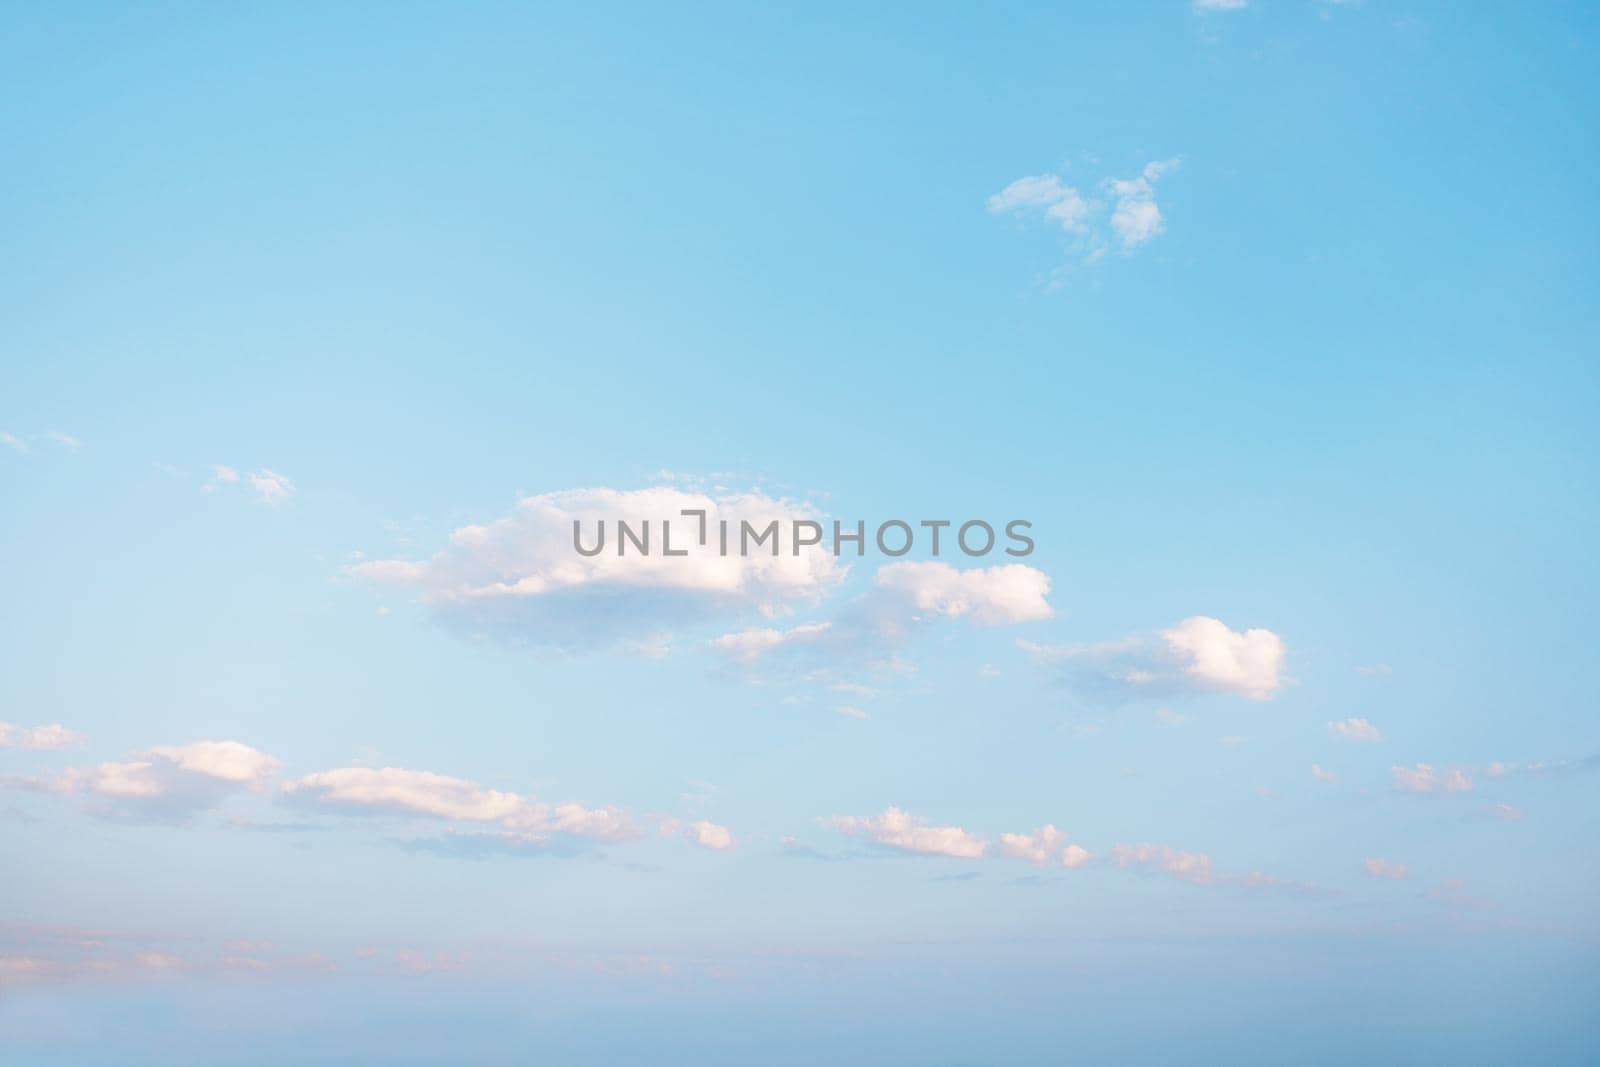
(903, 598)
(220, 476)
(1321, 775)
(1005, 594)
(13, 442)
(850, 711)
(50, 737)
(899, 829)
(171, 781)
(1047, 193)
(1505, 812)
(230, 761)
(270, 487)
(709, 835)
(748, 645)
(1375, 669)
(1423, 779)
(1135, 217)
(1036, 847)
(1074, 856)
(1198, 655)
(1220, 5)
(520, 579)
(1189, 866)
(1216, 657)
(1382, 868)
(65, 440)
(1355, 730)
(400, 791)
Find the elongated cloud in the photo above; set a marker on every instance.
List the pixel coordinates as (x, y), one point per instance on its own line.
(1188, 866)
(397, 790)
(1424, 779)
(1198, 655)
(521, 580)
(41, 738)
(1043, 845)
(1378, 867)
(904, 598)
(899, 829)
(168, 782)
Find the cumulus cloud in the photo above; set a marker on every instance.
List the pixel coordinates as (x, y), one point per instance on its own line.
(168, 782)
(1198, 655)
(520, 579)
(1074, 856)
(1043, 845)
(709, 835)
(904, 597)
(1188, 866)
(1355, 730)
(899, 829)
(1424, 779)
(1382, 868)
(43, 738)
(396, 790)
(1321, 775)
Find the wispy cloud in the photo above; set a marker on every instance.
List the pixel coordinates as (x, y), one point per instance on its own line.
(1422, 778)
(1354, 730)
(50, 737)
(1124, 215)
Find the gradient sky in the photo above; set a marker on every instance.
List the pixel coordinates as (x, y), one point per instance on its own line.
(1276, 319)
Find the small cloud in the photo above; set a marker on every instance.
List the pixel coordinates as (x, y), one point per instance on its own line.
(1195, 656)
(1321, 775)
(1188, 866)
(65, 440)
(42, 738)
(1168, 717)
(1375, 669)
(1505, 812)
(899, 829)
(709, 835)
(1355, 730)
(270, 487)
(850, 712)
(1382, 868)
(1232, 740)
(220, 476)
(15, 443)
(1136, 218)
(1219, 5)
(988, 670)
(1132, 217)
(1424, 779)
(1035, 847)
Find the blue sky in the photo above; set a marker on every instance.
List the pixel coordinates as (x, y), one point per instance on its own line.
(1275, 320)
